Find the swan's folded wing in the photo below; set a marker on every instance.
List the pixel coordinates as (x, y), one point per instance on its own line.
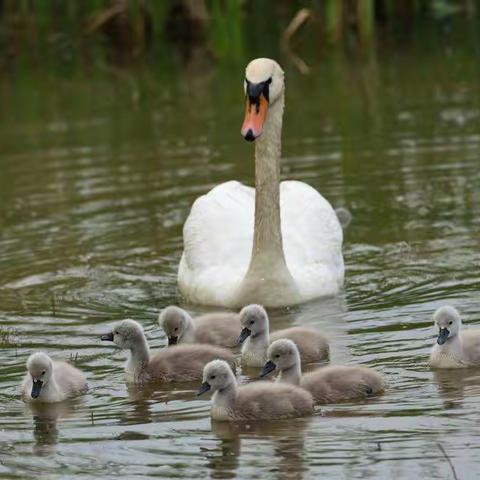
(312, 239)
(218, 237)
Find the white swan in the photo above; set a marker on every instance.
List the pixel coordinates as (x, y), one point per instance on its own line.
(278, 244)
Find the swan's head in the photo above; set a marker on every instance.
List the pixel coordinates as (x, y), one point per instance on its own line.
(263, 87)
(174, 321)
(282, 354)
(125, 334)
(254, 321)
(40, 368)
(217, 375)
(448, 322)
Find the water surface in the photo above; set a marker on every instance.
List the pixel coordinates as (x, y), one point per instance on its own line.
(98, 171)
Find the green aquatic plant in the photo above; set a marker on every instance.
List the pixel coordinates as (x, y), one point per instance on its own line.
(123, 33)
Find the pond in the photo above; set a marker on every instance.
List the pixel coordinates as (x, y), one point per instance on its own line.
(98, 171)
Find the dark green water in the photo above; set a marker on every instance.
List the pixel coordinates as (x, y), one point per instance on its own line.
(98, 170)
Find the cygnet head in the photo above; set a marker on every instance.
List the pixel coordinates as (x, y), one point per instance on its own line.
(254, 321)
(448, 322)
(40, 367)
(263, 85)
(174, 321)
(217, 375)
(282, 354)
(125, 334)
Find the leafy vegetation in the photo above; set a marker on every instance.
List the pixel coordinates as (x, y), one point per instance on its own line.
(122, 31)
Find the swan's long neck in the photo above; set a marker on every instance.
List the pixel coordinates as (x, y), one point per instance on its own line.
(225, 398)
(291, 375)
(189, 333)
(139, 357)
(255, 347)
(268, 268)
(267, 241)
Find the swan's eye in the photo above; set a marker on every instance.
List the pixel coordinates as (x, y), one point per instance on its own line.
(43, 373)
(212, 377)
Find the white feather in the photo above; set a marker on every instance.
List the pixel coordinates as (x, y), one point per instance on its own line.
(218, 240)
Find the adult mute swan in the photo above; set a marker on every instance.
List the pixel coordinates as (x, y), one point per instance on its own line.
(278, 244)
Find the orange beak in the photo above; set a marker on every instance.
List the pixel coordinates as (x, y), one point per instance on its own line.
(255, 113)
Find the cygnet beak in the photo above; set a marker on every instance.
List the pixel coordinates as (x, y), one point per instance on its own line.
(36, 388)
(244, 334)
(107, 337)
(443, 336)
(267, 368)
(204, 387)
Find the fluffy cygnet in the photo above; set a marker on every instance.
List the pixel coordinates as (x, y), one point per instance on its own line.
(330, 384)
(313, 346)
(255, 401)
(178, 363)
(48, 381)
(454, 348)
(213, 328)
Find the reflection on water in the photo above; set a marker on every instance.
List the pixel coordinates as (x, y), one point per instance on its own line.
(45, 419)
(284, 439)
(95, 184)
(454, 386)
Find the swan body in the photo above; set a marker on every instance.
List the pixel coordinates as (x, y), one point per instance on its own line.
(312, 345)
(213, 328)
(330, 384)
(454, 348)
(180, 363)
(50, 382)
(277, 244)
(255, 401)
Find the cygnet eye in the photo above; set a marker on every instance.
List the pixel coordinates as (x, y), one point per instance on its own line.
(212, 377)
(43, 373)
(116, 332)
(252, 322)
(176, 330)
(277, 356)
(450, 322)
